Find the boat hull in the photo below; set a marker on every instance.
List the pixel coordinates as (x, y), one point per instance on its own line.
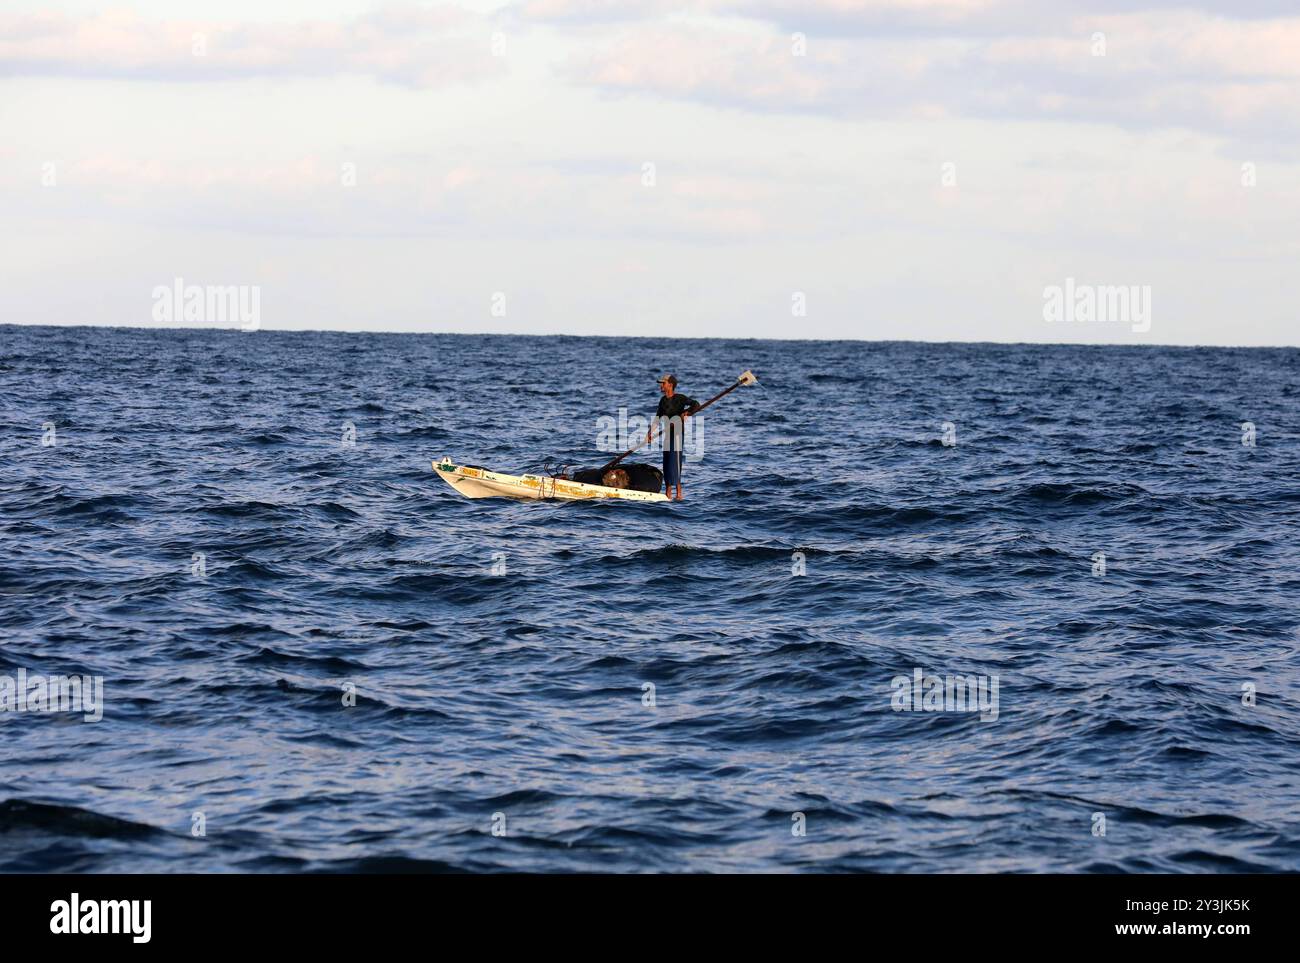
(474, 482)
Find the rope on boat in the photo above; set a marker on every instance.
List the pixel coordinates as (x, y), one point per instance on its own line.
(547, 467)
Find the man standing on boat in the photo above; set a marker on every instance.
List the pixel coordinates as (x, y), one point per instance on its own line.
(671, 414)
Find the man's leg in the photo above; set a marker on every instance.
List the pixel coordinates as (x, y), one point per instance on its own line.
(672, 470)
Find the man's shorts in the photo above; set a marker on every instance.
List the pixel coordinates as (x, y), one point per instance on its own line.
(672, 466)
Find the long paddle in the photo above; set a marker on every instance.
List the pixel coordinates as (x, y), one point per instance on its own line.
(746, 378)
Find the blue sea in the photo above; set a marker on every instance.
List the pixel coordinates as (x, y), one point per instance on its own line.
(316, 656)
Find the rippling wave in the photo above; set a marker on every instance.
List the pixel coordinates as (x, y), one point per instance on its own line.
(310, 665)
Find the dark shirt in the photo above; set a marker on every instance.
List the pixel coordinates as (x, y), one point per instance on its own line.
(673, 408)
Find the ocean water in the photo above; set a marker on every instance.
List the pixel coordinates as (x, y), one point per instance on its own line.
(648, 687)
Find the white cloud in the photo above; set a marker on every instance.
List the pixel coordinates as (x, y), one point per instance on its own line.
(413, 46)
(600, 11)
(1159, 69)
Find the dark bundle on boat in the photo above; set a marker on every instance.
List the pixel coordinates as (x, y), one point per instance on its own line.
(640, 478)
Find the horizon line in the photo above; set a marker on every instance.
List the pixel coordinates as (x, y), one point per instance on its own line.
(561, 334)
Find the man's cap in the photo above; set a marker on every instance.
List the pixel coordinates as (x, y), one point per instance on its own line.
(671, 379)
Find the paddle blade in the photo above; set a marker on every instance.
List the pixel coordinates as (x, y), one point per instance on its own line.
(748, 378)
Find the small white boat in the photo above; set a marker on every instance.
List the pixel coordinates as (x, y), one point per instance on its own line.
(475, 482)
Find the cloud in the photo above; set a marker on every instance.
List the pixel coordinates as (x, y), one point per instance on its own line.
(419, 47)
(830, 18)
(599, 11)
(1157, 69)
(827, 18)
(714, 65)
(318, 196)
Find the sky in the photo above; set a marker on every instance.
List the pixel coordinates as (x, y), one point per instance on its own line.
(938, 170)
